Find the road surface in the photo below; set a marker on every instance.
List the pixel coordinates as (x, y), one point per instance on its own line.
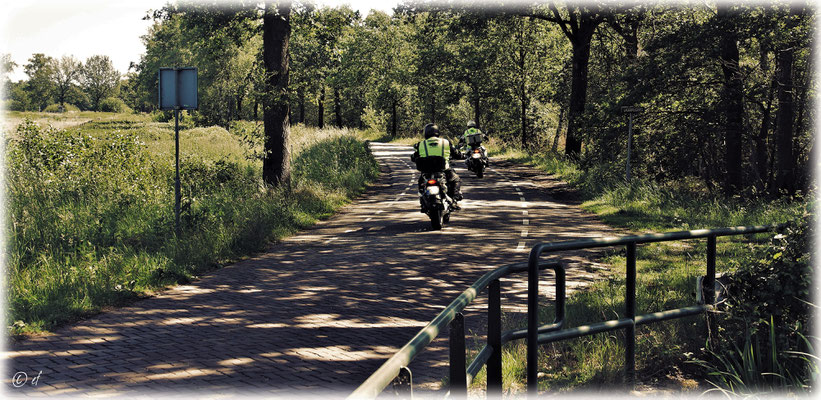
(320, 311)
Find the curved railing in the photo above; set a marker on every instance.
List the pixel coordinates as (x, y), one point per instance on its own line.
(383, 376)
(396, 369)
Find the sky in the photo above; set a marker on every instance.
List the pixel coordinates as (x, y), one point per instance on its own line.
(84, 28)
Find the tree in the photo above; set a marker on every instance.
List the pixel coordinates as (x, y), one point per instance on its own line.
(276, 33)
(785, 117)
(99, 79)
(39, 87)
(65, 73)
(7, 65)
(578, 23)
(732, 96)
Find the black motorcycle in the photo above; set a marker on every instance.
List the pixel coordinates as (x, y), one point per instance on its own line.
(476, 157)
(434, 199)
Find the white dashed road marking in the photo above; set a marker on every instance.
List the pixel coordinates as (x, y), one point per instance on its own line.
(525, 221)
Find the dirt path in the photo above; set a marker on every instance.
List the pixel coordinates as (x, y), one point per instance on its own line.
(320, 311)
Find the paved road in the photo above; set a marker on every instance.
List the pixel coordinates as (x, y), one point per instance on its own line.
(320, 311)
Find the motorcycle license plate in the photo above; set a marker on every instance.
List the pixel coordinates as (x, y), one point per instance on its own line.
(432, 190)
(476, 155)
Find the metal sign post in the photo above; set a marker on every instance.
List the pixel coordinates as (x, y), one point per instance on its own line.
(178, 91)
(630, 111)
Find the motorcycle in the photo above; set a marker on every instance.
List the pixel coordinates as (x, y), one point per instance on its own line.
(476, 158)
(434, 199)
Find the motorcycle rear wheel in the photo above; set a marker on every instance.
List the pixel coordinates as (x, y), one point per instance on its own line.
(436, 219)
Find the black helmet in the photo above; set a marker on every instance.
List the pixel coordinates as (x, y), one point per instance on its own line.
(471, 124)
(431, 130)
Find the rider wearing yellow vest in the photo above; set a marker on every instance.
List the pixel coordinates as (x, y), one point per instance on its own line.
(434, 146)
(472, 129)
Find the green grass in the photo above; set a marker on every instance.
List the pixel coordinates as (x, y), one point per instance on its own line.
(666, 277)
(91, 208)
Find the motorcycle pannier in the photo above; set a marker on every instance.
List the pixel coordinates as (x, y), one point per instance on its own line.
(475, 138)
(430, 164)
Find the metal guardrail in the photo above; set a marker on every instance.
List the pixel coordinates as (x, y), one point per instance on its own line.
(491, 355)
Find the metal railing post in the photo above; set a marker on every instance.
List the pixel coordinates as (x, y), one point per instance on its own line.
(710, 279)
(458, 373)
(553, 332)
(708, 289)
(403, 384)
(533, 322)
(630, 313)
(494, 339)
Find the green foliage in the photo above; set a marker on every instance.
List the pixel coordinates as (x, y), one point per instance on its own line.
(55, 108)
(99, 79)
(39, 87)
(760, 367)
(666, 274)
(776, 282)
(341, 163)
(114, 104)
(186, 120)
(91, 210)
(769, 300)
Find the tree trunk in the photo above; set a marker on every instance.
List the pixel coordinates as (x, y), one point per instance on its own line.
(337, 108)
(393, 119)
(558, 131)
(578, 89)
(476, 109)
(732, 100)
(301, 105)
(432, 108)
(802, 154)
(276, 33)
(759, 157)
(320, 114)
(784, 176)
(523, 100)
(239, 106)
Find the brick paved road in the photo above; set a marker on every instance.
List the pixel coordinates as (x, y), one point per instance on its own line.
(320, 311)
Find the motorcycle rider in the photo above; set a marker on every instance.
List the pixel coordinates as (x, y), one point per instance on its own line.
(472, 129)
(434, 146)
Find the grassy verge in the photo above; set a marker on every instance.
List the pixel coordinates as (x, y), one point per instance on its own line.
(91, 208)
(666, 279)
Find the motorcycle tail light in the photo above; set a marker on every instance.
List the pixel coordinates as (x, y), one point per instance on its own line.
(476, 150)
(432, 182)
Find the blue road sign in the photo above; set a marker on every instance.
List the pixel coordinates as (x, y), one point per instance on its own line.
(178, 89)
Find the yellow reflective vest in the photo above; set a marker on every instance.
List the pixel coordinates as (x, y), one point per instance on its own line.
(468, 132)
(435, 146)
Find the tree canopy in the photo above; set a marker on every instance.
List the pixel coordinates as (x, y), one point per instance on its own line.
(725, 88)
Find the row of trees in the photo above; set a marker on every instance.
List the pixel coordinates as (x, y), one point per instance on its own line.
(725, 88)
(60, 81)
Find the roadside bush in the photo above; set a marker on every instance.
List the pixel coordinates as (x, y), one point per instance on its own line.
(114, 104)
(15, 105)
(769, 308)
(340, 163)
